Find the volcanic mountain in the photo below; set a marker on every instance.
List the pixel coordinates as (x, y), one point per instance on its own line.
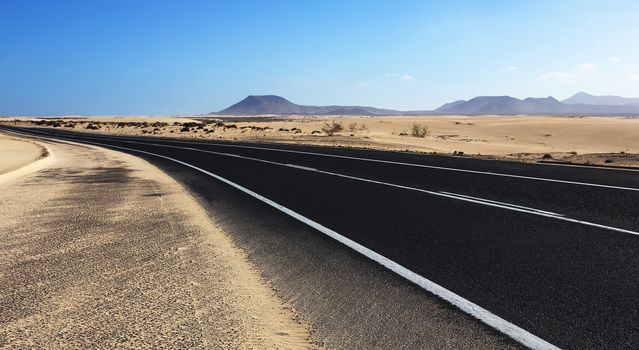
(503, 105)
(271, 104)
(579, 104)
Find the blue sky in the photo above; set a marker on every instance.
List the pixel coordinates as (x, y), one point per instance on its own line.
(180, 57)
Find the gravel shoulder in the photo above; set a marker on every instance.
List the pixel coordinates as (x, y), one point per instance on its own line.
(101, 249)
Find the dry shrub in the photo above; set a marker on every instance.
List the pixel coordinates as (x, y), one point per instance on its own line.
(331, 128)
(419, 130)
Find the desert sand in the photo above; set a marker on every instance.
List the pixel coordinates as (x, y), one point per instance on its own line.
(17, 153)
(584, 140)
(84, 265)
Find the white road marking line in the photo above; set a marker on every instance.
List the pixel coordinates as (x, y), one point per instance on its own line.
(300, 167)
(212, 142)
(398, 163)
(502, 203)
(455, 196)
(424, 165)
(567, 165)
(515, 332)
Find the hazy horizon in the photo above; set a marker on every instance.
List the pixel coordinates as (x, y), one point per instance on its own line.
(195, 57)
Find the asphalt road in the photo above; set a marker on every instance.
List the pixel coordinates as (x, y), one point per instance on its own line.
(551, 249)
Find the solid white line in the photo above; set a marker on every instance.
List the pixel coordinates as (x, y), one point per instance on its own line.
(515, 332)
(482, 202)
(300, 167)
(420, 165)
(612, 167)
(212, 142)
(455, 196)
(502, 203)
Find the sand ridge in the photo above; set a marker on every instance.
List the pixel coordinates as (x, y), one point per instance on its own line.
(103, 250)
(16, 153)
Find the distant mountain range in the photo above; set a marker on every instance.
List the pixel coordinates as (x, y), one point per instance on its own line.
(608, 100)
(579, 104)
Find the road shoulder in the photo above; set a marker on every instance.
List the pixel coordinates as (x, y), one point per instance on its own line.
(102, 249)
(350, 301)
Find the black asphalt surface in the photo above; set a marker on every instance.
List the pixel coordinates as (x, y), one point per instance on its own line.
(574, 285)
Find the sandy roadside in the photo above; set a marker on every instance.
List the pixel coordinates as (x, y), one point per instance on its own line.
(103, 250)
(16, 153)
(579, 140)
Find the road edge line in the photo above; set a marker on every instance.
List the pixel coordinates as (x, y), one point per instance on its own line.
(511, 330)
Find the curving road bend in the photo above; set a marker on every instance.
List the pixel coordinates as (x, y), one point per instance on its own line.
(547, 254)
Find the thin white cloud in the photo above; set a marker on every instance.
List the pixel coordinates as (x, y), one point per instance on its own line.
(634, 77)
(586, 67)
(561, 77)
(511, 68)
(399, 76)
(613, 59)
(361, 85)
